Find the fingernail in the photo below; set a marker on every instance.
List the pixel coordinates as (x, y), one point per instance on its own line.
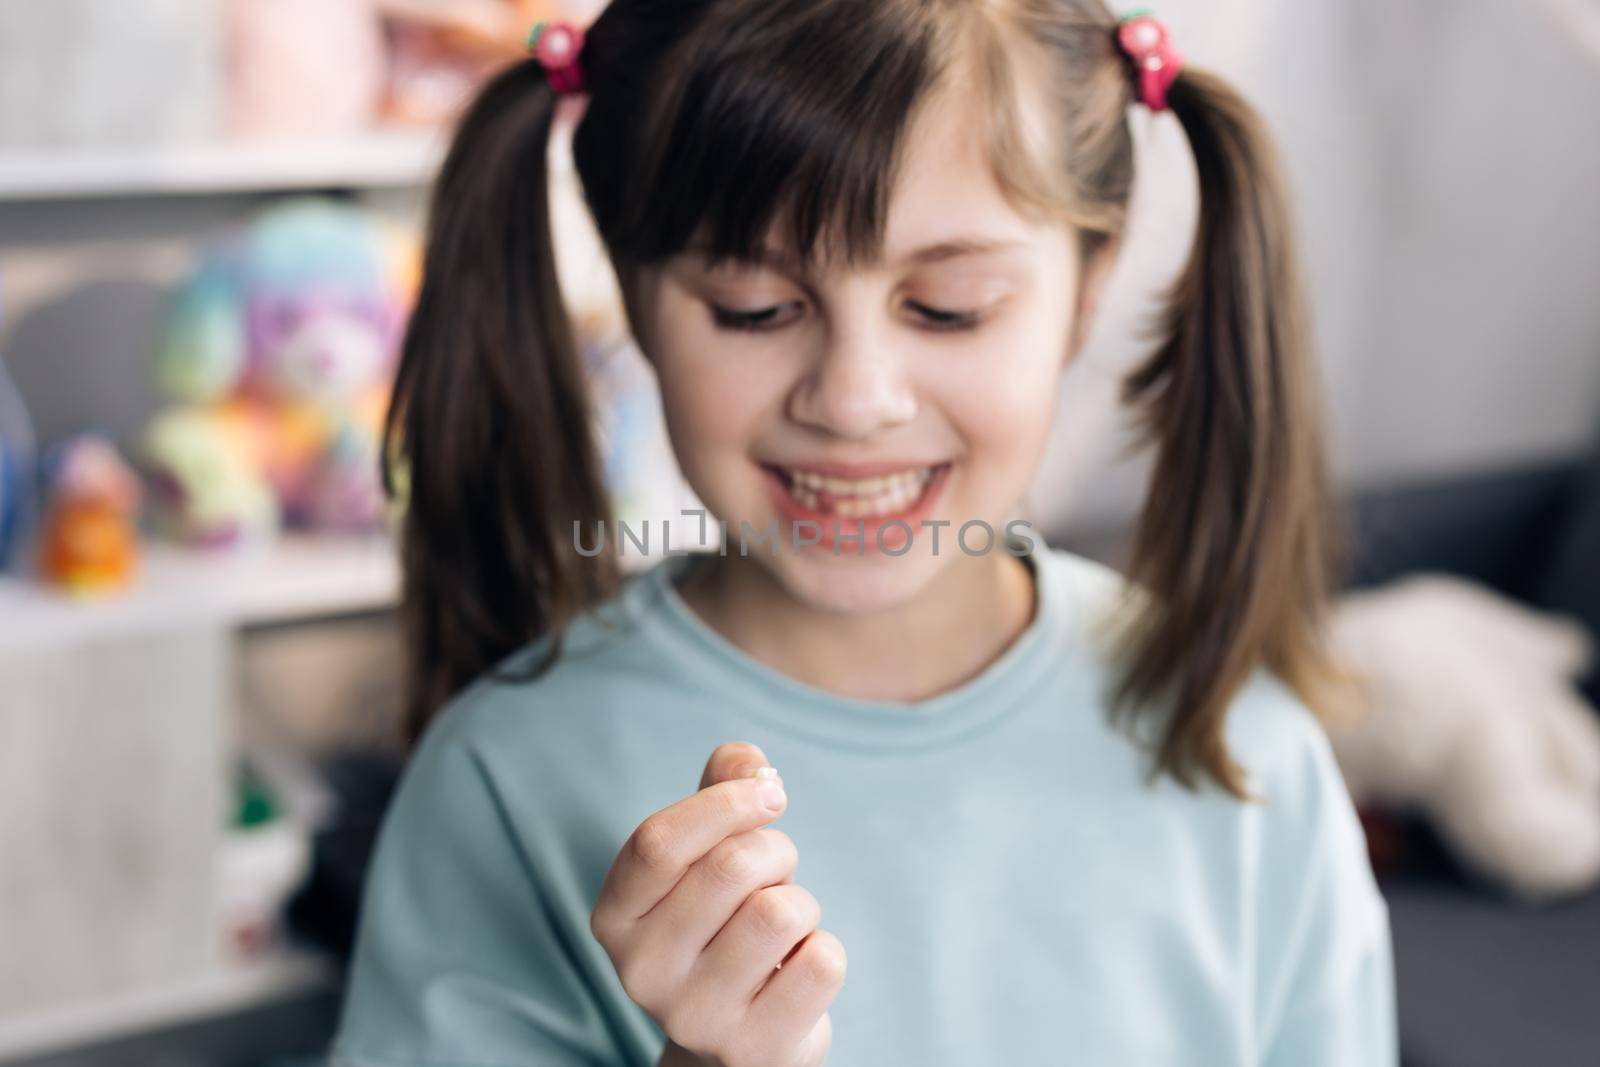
(770, 790)
(745, 770)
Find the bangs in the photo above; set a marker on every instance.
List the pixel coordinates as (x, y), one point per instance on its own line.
(790, 120)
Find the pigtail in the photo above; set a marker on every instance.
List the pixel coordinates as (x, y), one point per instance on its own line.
(488, 435)
(1236, 541)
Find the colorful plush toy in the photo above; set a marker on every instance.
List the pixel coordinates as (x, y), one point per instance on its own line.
(207, 487)
(279, 353)
(89, 541)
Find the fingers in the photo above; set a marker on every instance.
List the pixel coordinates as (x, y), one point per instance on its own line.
(736, 759)
(767, 926)
(799, 992)
(668, 842)
(712, 890)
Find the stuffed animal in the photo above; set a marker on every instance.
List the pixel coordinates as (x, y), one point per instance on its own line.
(89, 541)
(206, 482)
(1473, 720)
(279, 354)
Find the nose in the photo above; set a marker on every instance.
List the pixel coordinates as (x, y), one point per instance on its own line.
(857, 386)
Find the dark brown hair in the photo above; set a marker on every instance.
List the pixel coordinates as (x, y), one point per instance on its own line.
(727, 117)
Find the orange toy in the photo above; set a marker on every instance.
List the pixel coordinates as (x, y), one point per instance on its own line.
(89, 544)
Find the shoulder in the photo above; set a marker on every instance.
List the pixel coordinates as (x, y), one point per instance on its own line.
(1323, 923)
(548, 690)
(1282, 744)
(1319, 899)
(1270, 730)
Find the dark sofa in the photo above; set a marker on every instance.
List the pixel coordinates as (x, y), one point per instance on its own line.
(1483, 982)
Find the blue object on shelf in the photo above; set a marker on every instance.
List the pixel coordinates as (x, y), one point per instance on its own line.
(17, 452)
(16, 472)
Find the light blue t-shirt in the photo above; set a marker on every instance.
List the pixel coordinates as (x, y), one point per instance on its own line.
(1007, 887)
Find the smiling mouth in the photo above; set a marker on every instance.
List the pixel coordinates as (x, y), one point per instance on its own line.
(891, 494)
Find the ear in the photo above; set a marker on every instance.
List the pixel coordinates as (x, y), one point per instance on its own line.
(1096, 272)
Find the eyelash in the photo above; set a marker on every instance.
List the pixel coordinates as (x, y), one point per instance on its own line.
(751, 321)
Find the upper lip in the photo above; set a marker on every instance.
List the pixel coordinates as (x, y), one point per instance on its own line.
(840, 469)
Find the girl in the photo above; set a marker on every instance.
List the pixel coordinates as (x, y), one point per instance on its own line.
(1053, 815)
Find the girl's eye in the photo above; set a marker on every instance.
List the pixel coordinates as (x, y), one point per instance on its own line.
(762, 319)
(766, 318)
(948, 320)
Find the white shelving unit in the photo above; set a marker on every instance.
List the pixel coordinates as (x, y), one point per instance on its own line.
(381, 158)
(281, 974)
(172, 192)
(298, 577)
(178, 592)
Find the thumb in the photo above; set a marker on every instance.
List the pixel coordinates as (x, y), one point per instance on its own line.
(735, 759)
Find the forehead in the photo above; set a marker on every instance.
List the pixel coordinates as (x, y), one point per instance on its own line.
(861, 188)
(946, 186)
(945, 204)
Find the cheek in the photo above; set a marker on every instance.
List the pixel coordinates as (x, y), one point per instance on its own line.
(715, 399)
(704, 416)
(1002, 401)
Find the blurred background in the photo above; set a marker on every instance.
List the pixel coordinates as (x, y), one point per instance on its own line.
(209, 238)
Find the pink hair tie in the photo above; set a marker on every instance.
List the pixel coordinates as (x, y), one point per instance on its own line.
(558, 46)
(1145, 40)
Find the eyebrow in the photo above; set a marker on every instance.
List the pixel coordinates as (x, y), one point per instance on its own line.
(938, 252)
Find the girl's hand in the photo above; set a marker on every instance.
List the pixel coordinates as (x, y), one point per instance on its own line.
(708, 932)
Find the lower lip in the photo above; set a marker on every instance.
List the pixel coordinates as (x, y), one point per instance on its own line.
(831, 525)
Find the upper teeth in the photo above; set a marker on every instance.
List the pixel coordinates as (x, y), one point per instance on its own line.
(903, 482)
(859, 498)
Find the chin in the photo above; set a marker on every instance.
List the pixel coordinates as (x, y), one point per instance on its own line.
(848, 584)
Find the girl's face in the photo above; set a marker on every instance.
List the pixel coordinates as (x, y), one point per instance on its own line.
(920, 390)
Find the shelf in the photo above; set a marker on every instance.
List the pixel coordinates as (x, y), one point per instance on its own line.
(380, 158)
(298, 577)
(285, 974)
